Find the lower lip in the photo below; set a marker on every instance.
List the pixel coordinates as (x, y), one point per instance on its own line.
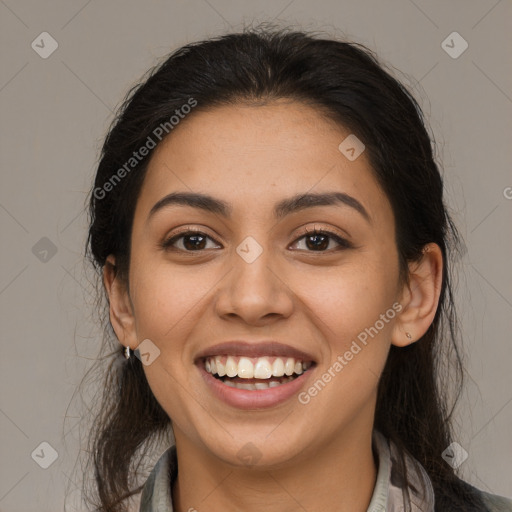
(254, 399)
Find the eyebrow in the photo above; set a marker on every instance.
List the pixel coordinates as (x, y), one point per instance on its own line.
(283, 208)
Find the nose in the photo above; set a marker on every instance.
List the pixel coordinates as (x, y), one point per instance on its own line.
(255, 291)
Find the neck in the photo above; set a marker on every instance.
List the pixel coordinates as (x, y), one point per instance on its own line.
(340, 476)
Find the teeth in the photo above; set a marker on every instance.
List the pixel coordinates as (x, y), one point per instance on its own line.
(255, 368)
(245, 368)
(278, 367)
(289, 366)
(221, 370)
(262, 369)
(257, 385)
(231, 367)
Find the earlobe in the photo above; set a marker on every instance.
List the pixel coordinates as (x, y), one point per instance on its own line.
(120, 307)
(420, 297)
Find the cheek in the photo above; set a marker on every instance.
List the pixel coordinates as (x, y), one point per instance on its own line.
(166, 299)
(168, 304)
(351, 300)
(355, 319)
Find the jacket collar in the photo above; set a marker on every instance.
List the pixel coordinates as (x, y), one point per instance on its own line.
(388, 495)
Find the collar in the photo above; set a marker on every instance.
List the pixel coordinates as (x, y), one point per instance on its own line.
(388, 495)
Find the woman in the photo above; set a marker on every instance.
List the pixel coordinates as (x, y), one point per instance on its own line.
(269, 223)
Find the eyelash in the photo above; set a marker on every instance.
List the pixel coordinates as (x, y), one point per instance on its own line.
(167, 244)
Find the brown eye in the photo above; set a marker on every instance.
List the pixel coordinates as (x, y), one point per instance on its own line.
(189, 241)
(319, 241)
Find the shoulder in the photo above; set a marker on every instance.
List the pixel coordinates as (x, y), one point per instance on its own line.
(460, 495)
(485, 500)
(156, 492)
(495, 503)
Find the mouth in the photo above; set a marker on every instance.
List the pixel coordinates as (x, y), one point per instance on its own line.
(254, 375)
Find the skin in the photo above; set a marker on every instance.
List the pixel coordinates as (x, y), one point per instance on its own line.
(317, 300)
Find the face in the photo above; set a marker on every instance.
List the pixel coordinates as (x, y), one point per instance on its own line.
(245, 277)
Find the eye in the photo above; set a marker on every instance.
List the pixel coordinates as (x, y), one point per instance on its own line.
(188, 241)
(197, 241)
(320, 240)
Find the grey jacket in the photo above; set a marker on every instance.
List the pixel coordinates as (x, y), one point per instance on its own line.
(387, 496)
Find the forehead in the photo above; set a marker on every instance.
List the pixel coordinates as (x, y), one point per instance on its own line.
(253, 156)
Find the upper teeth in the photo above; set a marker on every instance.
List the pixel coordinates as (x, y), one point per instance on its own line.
(254, 367)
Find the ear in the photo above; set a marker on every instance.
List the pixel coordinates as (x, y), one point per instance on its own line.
(121, 308)
(420, 297)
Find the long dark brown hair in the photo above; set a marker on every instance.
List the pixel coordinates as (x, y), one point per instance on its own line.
(421, 383)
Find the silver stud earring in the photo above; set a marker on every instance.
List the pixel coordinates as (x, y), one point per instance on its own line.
(127, 352)
(408, 334)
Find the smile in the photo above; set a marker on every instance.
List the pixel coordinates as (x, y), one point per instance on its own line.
(256, 373)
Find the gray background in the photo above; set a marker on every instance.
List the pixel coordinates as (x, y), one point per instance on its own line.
(55, 111)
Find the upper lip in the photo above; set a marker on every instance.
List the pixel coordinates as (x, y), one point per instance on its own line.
(254, 349)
